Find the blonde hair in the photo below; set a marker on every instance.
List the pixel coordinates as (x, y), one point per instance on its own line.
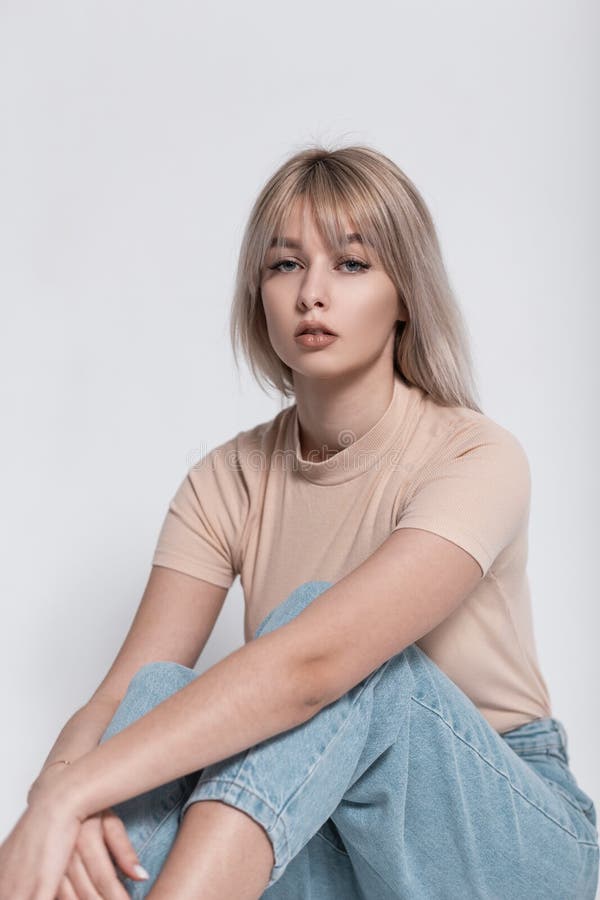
(431, 347)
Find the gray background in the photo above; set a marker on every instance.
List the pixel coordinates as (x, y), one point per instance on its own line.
(134, 139)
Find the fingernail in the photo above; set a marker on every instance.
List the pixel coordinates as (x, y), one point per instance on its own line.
(140, 871)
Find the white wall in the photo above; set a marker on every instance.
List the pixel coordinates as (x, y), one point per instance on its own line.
(134, 140)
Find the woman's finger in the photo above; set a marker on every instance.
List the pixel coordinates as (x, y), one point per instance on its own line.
(82, 883)
(119, 844)
(91, 870)
(66, 891)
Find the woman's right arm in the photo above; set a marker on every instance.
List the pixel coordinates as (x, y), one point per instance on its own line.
(173, 622)
(81, 733)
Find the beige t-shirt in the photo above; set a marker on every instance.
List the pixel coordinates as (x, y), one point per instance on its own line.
(254, 506)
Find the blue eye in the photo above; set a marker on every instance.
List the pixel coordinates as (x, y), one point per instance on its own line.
(284, 262)
(357, 262)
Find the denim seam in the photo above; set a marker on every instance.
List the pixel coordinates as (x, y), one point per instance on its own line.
(160, 824)
(278, 821)
(542, 746)
(279, 817)
(571, 800)
(332, 845)
(504, 775)
(369, 681)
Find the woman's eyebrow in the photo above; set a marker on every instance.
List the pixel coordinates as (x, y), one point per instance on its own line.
(295, 244)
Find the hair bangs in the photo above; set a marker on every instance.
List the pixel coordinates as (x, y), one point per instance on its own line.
(338, 205)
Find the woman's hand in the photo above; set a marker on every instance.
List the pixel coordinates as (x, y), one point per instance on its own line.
(50, 845)
(91, 870)
(90, 866)
(35, 854)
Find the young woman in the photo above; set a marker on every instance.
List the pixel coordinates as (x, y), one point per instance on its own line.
(385, 731)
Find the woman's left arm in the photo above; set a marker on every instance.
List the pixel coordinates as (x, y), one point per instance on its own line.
(261, 689)
(281, 679)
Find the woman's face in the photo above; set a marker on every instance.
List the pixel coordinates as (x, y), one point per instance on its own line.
(350, 293)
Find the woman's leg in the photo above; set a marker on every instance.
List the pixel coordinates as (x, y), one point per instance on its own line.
(151, 819)
(217, 851)
(436, 804)
(410, 791)
(161, 837)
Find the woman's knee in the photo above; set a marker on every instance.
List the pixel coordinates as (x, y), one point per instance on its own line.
(151, 684)
(158, 680)
(163, 671)
(293, 604)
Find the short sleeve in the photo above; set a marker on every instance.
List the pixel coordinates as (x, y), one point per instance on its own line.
(201, 532)
(476, 495)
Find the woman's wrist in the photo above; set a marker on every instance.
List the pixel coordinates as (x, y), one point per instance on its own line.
(54, 787)
(35, 786)
(67, 762)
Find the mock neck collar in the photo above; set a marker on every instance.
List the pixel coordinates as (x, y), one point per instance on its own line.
(363, 453)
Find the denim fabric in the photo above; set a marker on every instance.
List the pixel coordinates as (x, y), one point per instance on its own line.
(398, 789)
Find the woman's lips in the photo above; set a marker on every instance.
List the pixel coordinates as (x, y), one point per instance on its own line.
(315, 341)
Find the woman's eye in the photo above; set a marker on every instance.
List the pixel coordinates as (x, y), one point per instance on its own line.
(356, 262)
(290, 262)
(284, 262)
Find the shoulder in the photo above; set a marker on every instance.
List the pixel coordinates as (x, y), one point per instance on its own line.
(446, 434)
(469, 481)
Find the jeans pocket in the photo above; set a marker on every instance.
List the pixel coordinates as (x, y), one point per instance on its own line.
(329, 832)
(583, 799)
(558, 774)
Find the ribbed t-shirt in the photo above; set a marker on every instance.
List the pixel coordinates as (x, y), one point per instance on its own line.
(254, 507)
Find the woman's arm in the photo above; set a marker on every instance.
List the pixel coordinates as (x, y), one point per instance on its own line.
(82, 731)
(174, 620)
(281, 679)
(261, 689)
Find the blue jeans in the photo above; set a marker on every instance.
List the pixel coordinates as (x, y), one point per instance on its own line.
(398, 789)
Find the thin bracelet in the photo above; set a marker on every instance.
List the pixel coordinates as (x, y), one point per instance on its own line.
(67, 762)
